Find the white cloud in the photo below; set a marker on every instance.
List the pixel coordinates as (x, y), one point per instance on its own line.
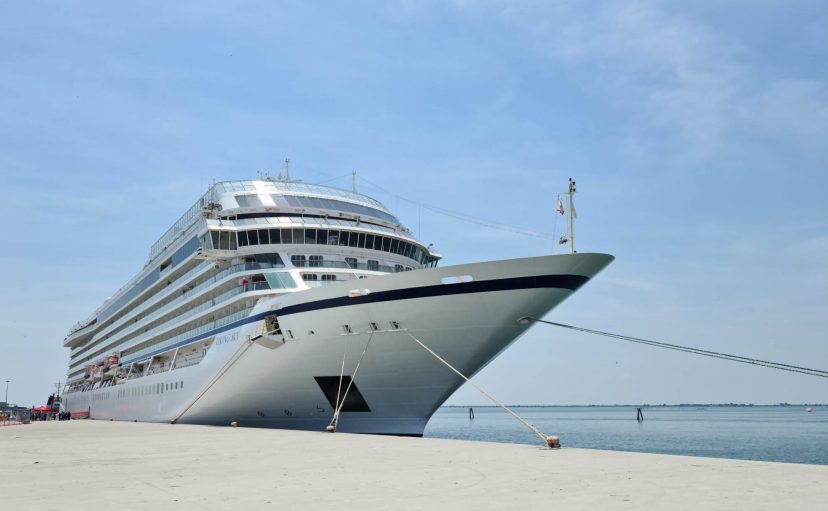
(675, 75)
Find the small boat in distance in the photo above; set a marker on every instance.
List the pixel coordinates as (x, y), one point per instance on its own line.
(276, 303)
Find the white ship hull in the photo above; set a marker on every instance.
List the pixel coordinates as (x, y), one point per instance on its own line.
(466, 313)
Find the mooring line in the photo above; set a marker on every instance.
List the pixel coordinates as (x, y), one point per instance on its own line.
(332, 426)
(697, 351)
(551, 441)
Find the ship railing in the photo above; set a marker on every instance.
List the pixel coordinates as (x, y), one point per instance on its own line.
(190, 217)
(151, 301)
(237, 290)
(187, 294)
(253, 286)
(218, 323)
(80, 325)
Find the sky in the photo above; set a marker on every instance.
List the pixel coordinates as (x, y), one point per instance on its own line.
(697, 133)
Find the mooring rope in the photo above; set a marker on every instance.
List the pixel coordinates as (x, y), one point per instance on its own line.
(549, 440)
(332, 426)
(697, 351)
(339, 388)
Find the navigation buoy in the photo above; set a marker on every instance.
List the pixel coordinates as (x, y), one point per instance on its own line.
(234, 424)
(553, 442)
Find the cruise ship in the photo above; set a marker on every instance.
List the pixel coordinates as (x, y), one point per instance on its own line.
(282, 304)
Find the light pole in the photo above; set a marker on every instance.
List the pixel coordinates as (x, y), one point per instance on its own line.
(7, 393)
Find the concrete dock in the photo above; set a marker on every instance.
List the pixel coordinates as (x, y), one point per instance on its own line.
(117, 465)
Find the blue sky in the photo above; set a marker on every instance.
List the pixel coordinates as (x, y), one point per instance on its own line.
(697, 132)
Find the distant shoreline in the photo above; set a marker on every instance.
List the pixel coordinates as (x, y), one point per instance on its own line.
(649, 405)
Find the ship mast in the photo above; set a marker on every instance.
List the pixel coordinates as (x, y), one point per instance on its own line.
(571, 216)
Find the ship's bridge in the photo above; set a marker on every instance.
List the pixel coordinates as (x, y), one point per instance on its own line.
(244, 214)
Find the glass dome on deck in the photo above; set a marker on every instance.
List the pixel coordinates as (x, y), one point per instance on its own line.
(296, 188)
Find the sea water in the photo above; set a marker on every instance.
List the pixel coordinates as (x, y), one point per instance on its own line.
(766, 433)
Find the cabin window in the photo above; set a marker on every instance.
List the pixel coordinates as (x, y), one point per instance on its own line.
(310, 276)
(242, 238)
(351, 262)
(287, 236)
(264, 239)
(321, 236)
(343, 238)
(310, 236)
(315, 261)
(373, 265)
(328, 276)
(298, 235)
(369, 241)
(297, 260)
(253, 237)
(386, 244)
(275, 236)
(398, 267)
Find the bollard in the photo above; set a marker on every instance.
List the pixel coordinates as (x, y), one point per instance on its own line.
(553, 442)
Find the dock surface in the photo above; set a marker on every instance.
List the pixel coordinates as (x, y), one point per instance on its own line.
(124, 466)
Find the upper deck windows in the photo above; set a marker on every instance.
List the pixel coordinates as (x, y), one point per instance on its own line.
(224, 240)
(324, 237)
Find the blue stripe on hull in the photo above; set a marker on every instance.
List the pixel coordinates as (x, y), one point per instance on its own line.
(571, 282)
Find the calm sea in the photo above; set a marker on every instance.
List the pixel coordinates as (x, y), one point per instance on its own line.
(767, 433)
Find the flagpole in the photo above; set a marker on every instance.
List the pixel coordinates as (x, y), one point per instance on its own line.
(571, 220)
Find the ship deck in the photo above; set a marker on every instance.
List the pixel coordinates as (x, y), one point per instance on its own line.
(78, 464)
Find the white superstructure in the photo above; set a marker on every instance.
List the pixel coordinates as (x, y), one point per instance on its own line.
(258, 304)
